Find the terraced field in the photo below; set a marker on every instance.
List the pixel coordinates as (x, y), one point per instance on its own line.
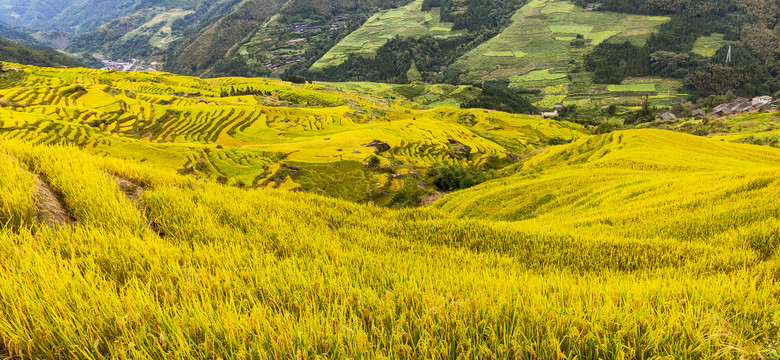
(427, 96)
(707, 46)
(407, 21)
(186, 124)
(635, 244)
(536, 50)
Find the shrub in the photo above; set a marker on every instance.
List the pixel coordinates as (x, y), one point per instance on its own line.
(374, 162)
(454, 177)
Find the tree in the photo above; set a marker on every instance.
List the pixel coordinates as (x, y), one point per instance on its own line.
(374, 162)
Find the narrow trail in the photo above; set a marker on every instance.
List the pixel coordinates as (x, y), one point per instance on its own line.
(51, 208)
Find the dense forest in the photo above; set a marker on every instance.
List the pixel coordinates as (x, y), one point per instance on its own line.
(15, 33)
(754, 67)
(328, 8)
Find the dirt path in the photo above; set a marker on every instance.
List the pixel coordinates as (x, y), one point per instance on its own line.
(51, 209)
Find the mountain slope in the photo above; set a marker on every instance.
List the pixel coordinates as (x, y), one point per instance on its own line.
(15, 52)
(215, 42)
(34, 14)
(637, 183)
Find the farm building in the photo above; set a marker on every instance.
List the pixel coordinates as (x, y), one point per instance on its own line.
(667, 116)
(744, 105)
(698, 113)
(762, 100)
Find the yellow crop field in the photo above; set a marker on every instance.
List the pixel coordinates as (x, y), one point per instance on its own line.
(241, 129)
(637, 244)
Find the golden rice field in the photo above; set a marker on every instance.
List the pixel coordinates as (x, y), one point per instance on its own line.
(639, 244)
(176, 122)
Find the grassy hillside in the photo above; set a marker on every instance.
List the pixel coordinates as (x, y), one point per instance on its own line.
(269, 133)
(669, 185)
(638, 244)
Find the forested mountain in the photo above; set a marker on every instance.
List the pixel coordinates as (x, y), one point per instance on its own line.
(12, 51)
(15, 33)
(156, 28)
(562, 50)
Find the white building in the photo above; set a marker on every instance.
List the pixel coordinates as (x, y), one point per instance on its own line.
(762, 100)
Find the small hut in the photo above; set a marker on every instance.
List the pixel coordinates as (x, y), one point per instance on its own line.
(667, 116)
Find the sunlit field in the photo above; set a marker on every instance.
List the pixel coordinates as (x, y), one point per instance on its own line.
(635, 244)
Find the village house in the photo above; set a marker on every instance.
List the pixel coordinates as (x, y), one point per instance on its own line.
(667, 116)
(699, 113)
(310, 29)
(744, 105)
(762, 100)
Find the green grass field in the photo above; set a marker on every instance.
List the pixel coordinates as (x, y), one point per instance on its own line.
(707, 46)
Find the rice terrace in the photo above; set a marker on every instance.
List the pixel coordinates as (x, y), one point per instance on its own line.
(390, 179)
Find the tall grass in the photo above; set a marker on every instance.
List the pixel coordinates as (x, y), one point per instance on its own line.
(18, 200)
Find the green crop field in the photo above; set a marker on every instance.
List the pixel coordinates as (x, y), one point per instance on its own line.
(542, 31)
(406, 21)
(707, 46)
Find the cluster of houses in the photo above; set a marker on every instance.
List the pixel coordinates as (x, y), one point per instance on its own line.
(740, 105)
(743, 105)
(132, 65)
(4, 69)
(303, 28)
(282, 58)
(553, 113)
(284, 61)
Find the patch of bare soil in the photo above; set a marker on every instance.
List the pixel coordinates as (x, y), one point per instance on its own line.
(51, 208)
(130, 189)
(430, 199)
